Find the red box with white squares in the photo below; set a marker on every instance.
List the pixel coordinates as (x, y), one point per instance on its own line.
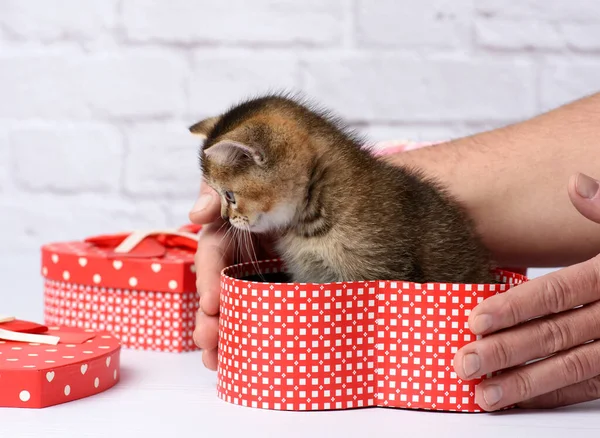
(139, 286)
(289, 346)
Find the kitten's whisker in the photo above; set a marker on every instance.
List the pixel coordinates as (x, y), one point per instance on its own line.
(255, 258)
(247, 243)
(238, 248)
(226, 233)
(246, 247)
(233, 239)
(229, 232)
(221, 227)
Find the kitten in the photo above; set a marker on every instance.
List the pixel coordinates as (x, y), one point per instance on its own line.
(339, 214)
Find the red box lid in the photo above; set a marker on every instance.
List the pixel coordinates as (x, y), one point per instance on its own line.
(161, 261)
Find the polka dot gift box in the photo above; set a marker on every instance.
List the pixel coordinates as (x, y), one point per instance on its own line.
(139, 286)
(44, 366)
(289, 346)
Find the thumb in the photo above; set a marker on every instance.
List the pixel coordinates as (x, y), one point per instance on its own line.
(207, 208)
(584, 192)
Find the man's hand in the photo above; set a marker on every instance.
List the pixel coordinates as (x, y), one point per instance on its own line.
(209, 260)
(217, 249)
(550, 318)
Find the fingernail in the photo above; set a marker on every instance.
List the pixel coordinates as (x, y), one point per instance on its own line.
(481, 324)
(492, 394)
(586, 187)
(202, 202)
(471, 364)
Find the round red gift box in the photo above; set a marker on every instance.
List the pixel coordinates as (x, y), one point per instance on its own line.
(310, 346)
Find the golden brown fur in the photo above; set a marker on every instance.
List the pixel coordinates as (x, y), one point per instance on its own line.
(339, 213)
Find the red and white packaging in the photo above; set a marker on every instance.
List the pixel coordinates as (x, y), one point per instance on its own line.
(288, 346)
(139, 286)
(41, 366)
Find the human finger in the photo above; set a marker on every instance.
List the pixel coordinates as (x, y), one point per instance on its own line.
(535, 339)
(584, 192)
(549, 294)
(210, 359)
(215, 252)
(524, 383)
(581, 392)
(207, 207)
(206, 331)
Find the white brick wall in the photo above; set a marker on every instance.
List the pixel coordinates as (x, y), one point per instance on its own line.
(235, 22)
(65, 158)
(411, 24)
(96, 96)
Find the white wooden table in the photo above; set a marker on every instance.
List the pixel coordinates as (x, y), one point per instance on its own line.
(166, 395)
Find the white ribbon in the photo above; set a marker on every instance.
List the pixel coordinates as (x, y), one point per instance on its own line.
(4, 318)
(9, 335)
(136, 237)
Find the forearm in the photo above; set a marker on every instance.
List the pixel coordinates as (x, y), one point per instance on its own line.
(513, 182)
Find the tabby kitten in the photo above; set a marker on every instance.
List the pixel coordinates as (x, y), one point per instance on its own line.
(339, 214)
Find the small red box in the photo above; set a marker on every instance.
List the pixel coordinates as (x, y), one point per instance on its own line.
(296, 346)
(139, 286)
(38, 375)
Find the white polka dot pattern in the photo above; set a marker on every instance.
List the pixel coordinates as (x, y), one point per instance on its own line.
(345, 345)
(149, 303)
(37, 376)
(85, 263)
(142, 320)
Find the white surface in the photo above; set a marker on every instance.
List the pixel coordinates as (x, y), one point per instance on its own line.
(172, 395)
(166, 395)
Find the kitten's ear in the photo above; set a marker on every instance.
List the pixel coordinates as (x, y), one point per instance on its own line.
(203, 127)
(228, 153)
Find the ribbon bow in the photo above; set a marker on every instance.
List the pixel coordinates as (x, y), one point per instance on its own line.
(16, 330)
(149, 243)
(12, 329)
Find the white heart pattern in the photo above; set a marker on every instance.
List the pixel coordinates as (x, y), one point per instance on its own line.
(50, 376)
(156, 267)
(108, 361)
(117, 264)
(54, 258)
(82, 261)
(84, 368)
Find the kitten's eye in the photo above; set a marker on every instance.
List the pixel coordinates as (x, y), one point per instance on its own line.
(230, 197)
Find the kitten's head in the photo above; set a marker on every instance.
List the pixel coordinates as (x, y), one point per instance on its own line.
(258, 156)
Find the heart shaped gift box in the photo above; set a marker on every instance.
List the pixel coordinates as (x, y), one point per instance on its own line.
(288, 346)
(45, 366)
